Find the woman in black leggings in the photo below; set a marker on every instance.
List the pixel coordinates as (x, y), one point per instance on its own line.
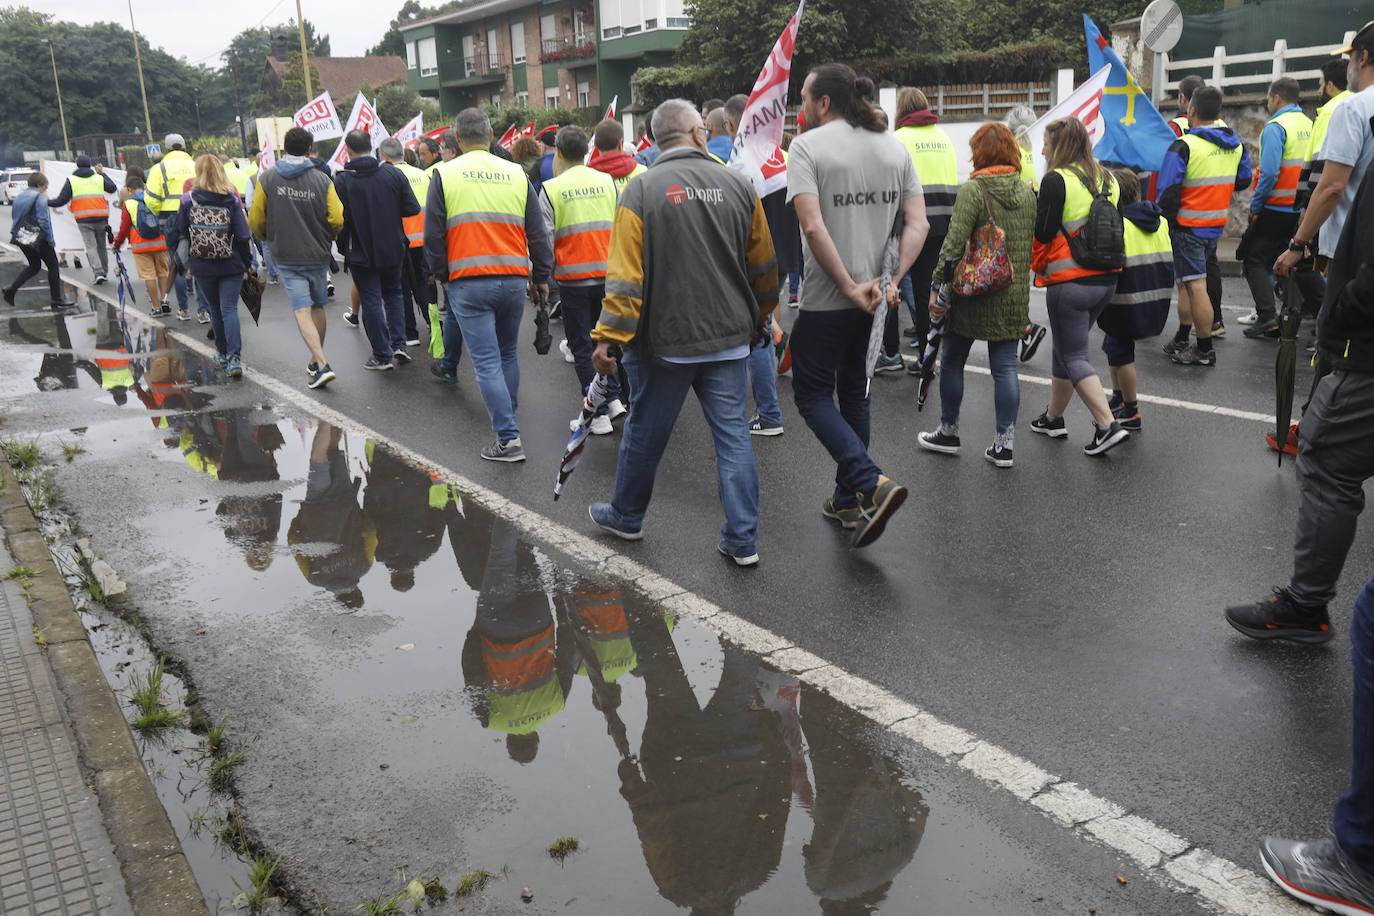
(1076, 295)
(33, 201)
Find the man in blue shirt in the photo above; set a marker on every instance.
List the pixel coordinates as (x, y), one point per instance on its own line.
(1284, 144)
(718, 141)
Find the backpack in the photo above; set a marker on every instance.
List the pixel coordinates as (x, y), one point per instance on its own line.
(211, 232)
(145, 220)
(1101, 243)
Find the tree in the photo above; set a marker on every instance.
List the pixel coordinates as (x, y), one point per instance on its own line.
(397, 103)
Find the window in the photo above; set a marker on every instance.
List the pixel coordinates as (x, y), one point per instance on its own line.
(551, 97)
(493, 59)
(679, 22)
(410, 55)
(579, 27)
(650, 24)
(517, 42)
(429, 63)
(469, 61)
(611, 32)
(522, 99)
(584, 93)
(631, 16)
(547, 30)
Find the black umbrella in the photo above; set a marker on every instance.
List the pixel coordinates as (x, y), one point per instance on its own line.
(251, 293)
(1286, 364)
(543, 340)
(931, 353)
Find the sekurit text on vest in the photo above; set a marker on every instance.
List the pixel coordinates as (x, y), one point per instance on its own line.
(582, 193)
(484, 176)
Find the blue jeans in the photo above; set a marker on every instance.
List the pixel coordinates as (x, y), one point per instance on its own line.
(1006, 387)
(581, 308)
(763, 378)
(168, 221)
(379, 296)
(793, 282)
(1353, 822)
(828, 357)
(1190, 254)
(489, 311)
(660, 388)
(220, 297)
(453, 339)
(267, 261)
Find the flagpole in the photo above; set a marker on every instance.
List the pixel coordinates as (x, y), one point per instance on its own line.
(138, 62)
(305, 57)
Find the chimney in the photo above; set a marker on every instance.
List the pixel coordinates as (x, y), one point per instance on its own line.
(280, 47)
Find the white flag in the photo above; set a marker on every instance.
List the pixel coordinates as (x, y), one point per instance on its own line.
(320, 118)
(1084, 103)
(411, 132)
(760, 128)
(610, 112)
(363, 117)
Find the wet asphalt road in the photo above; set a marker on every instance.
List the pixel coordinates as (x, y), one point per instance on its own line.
(1067, 610)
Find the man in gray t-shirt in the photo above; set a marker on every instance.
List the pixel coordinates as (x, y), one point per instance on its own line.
(849, 180)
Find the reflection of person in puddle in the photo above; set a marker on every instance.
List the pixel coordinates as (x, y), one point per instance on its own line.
(407, 504)
(867, 823)
(330, 514)
(116, 369)
(711, 790)
(517, 672)
(248, 456)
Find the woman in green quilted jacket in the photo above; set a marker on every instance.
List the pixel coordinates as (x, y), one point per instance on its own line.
(1000, 318)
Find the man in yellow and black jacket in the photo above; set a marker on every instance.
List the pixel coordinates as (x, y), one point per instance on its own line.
(690, 277)
(164, 185)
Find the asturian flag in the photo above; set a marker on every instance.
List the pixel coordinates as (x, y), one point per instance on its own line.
(411, 132)
(1085, 104)
(1136, 133)
(363, 117)
(760, 129)
(320, 118)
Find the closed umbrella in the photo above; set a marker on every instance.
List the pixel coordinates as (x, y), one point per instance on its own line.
(543, 340)
(931, 353)
(251, 293)
(1286, 364)
(596, 396)
(875, 336)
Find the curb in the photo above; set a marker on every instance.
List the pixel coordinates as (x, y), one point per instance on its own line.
(157, 876)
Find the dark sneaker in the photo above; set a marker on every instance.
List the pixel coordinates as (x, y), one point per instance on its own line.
(1280, 617)
(1129, 419)
(350, 319)
(400, 357)
(1192, 356)
(740, 555)
(234, 367)
(322, 376)
(311, 368)
(1218, 329)
(938, 441)
(604, 517)
(444, 375)
(510, 450)
(100, 280)
(886, 363)
(847, 516)
(1043, 425)
(9, 298)
(1319, 874)
(222, 360)
(1030, 340)
(1115, 401)
(759, 428)
(1000, 457)
(376, 365)
(328, 289)
(1266, 327)
(163, 309)
(876, 508)
(1175, 346)
(1104, 440)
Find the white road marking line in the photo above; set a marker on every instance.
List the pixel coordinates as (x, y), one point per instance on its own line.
(1167, 859)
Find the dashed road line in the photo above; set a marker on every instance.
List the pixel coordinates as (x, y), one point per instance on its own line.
(1166, 858)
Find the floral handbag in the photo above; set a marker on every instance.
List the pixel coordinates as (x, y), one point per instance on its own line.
(986, 266)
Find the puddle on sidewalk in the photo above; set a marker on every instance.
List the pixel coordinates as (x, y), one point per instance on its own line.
(419, 690)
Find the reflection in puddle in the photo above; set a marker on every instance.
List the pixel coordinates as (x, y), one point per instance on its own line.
(591, 712)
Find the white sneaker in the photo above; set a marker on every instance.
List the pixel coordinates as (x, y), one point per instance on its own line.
(600, 426)
(616, 409)
(566, 351)
(1249, 317)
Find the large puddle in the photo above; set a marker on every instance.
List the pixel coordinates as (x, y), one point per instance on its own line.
(419, 689)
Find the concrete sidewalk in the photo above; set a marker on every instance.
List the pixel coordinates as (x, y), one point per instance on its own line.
(81, 828)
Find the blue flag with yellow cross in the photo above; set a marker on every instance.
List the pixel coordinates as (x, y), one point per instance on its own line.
(1137, 134)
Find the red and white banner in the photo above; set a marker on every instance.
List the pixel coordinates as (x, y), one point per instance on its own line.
(363, 117)
(267, 159)
(507, 139)
(644, 143)
(320, 118)
(760, 128)
(411, 132)
(610, 112)
(1084, 103)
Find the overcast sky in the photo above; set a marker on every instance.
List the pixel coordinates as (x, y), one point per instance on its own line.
(353, 26)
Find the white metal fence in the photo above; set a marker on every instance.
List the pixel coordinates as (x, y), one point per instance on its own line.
(1299, 63)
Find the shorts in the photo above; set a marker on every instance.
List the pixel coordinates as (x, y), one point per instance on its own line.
(1190, 255)
(1120, 350)
(151, 265)
(307, 286)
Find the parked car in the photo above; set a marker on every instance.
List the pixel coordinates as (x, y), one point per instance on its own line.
(12, 182)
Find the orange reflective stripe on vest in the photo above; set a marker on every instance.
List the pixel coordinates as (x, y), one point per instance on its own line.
(1297, 131)
(137, 243)
(484, 206)
(1209, 184)
(520, 664)
(583, 202)
(415, 228)
(88, 198)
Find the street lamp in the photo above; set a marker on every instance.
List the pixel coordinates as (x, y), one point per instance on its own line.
(66, 145)
(199, 129)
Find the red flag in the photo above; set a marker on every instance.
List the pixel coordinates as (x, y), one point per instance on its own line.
(527, 132)
(644, 143)
(760, 129)
(507, 139)
(610, 112)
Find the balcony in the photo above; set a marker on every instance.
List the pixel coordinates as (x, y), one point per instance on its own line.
(573, 51)
(480, 69)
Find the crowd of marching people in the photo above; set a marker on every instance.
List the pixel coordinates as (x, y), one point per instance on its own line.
(669, 272)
